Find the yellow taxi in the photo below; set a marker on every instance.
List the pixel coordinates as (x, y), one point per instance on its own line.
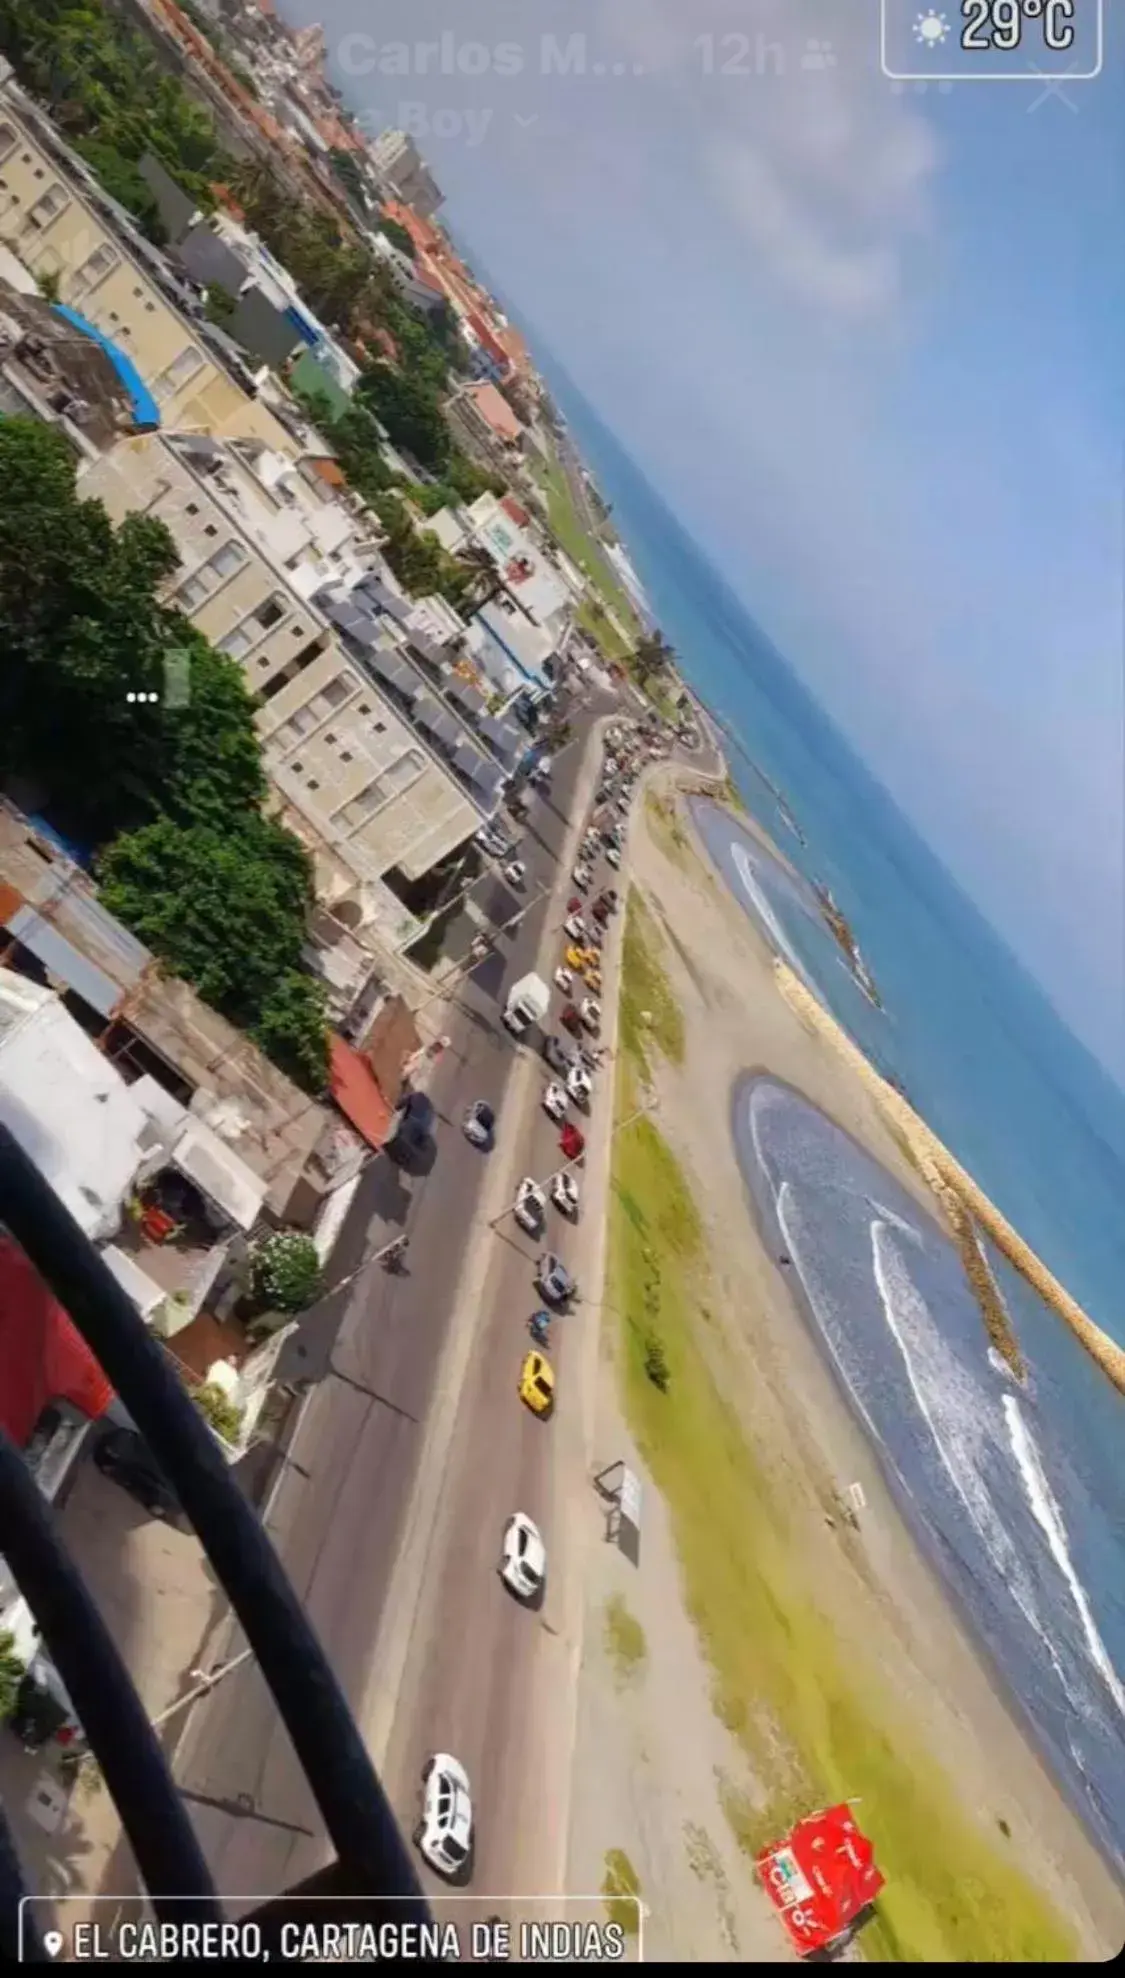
(593, 980)
(575, 958)
(537, 1384)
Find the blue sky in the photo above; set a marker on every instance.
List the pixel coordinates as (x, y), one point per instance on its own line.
(869, 346)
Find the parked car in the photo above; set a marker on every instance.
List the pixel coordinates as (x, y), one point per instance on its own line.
(564, 979)
(564, 1195)
(515, 872)
(411, 1139)
(578, 1085)
(612, 856)
(554, 1281)
(537, 1384)
(444, 1834)
(125, 1457)
(591, 1013)
(523, 1558)
(559, 1054)
(531, 1207)
(480, 1125)
(575, 927)
(556, 1102)
(571, 1020)
(581, 877)
(572, 1142)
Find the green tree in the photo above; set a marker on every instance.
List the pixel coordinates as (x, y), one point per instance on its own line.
(12, 1670)
(285, 1271)
(397, 234)
(221, 304)
(408, 405)
(346, 168)
(652, 657)
(292, 1030)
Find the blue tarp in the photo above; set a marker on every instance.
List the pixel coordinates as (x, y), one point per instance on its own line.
(146, 412)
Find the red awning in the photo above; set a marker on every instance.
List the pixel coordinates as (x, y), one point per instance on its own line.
(820, 1877)
(358, 1093)
(42, 1357)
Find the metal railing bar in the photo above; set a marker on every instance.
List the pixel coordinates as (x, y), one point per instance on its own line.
(99, 1686)
(355, 1810)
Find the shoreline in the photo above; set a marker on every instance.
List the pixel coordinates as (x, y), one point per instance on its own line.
(804, 1657)
(1007, 1698)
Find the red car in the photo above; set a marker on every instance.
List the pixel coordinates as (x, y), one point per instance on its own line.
(571, 1020)
(572, 1143)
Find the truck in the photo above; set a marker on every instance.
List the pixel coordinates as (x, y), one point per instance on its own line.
(528, 1002)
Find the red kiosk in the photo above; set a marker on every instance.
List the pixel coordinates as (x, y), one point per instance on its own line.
(820, 1878)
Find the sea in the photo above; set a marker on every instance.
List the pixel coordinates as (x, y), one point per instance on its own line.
(1016, 1493)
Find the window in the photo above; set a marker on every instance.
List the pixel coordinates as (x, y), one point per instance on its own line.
(227, 560)
(93, 269)
(192, 508)
(312, 784)
(271, 612)
(345, 755)
(391, 782)
(203, 582)
(47, 207)
(210, 528)
(297, 725)
(178, 373)
(8, 141)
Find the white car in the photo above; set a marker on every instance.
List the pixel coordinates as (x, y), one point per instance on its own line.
(515, 872)
(523, 1561)
(564, 1195)
(591, 1014)
(444, 1834)
(575, 927)
(581, 877)
(613, 857)
(578, 1085)
(564, 980)
(556, 1101)
(531, 1207)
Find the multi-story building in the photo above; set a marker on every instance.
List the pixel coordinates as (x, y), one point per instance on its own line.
(58, 222)
(360, 776)
(397, 162)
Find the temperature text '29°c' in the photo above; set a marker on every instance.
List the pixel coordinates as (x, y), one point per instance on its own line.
(991, 25)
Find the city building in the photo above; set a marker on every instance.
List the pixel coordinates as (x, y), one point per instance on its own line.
(398, 164)
(55, 218)
(270, 318)
(419, 287)
(59, 369)
(359, 776)
(149, 1025)
(486, 426)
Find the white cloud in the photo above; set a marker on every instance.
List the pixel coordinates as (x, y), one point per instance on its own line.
(824, 171)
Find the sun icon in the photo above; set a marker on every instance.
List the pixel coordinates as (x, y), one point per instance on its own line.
(931, 28)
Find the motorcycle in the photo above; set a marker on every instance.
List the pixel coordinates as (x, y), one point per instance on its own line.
(394, 1258)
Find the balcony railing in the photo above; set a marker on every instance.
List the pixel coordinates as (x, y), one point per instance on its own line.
(372, 1874)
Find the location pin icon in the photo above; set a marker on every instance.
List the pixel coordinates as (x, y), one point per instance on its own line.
(52, 1942)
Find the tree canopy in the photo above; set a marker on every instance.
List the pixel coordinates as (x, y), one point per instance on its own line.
(169, 796)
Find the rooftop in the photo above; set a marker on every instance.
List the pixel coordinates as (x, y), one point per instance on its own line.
(494, 409)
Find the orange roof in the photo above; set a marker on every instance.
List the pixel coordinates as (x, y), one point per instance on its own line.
(358, 1093)
(43, 1357)
(329, 470)
(514, 512)
(494, 409)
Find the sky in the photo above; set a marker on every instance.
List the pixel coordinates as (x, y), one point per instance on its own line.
(867, 342)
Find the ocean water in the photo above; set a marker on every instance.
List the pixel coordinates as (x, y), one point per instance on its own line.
(1016, 1494)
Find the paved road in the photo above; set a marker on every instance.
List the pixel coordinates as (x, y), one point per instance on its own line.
(489, 1680)
(337, 1517)
(492, 1681)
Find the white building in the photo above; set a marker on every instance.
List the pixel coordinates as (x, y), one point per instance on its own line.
(398, 164)
(360, 779)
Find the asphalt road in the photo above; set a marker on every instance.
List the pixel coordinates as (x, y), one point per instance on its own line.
(487, 1679)
(338, 1513)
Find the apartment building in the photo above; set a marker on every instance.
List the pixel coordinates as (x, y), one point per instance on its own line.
(356, 773)
(398, 163)
(56, 219)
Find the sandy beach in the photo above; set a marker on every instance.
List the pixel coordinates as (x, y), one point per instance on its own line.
(769, 1654)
